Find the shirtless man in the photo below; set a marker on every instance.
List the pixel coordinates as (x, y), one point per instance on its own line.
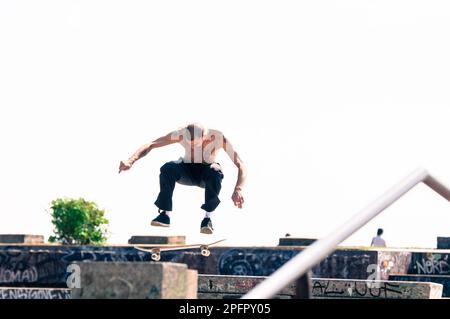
(198, 167)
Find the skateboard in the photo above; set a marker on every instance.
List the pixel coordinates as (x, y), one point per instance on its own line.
(156, 251)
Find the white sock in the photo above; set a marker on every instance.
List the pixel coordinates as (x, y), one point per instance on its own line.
(167, 212)
(208, 214)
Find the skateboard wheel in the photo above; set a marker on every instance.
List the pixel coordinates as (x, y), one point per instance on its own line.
(156, 257)
(205, 252)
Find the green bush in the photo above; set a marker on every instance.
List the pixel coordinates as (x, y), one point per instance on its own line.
(78, 222)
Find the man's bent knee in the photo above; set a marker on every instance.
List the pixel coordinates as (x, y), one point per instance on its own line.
(214, 173)
(168, 168)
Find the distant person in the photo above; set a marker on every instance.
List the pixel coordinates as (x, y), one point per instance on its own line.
(198, 167)
(378, 241)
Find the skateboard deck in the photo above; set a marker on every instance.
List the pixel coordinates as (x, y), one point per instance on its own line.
(156, 251)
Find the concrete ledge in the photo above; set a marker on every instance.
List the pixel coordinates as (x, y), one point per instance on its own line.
(191, 284)
(290, 241)
(236, 286)
(46, 265)
(110, 280)
(439, 279)
(208, 295)
(335, 288)
(21, 239)
(157, 240)
(233, 284)
(443, 242)
(34, 293)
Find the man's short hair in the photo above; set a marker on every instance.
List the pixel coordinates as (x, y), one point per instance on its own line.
(380, 231)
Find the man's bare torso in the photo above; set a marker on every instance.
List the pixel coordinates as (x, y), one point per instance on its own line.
(204, 150)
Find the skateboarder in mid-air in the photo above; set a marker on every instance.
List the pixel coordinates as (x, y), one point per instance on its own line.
(198, 167)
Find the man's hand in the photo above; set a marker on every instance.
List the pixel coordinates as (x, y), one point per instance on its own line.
(124, 166)
(237, 197)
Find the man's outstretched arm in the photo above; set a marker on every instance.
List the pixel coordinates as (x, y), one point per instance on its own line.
(168, 139)
(237, 197)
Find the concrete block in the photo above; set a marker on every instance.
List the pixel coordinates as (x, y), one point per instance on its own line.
(443, 242)
(234, 284)
(157, 240)
(439, 279)
(322, 288)
(136, 280)
(392, 263)
(291, 241)
(191, 284)
(232, 296)
(21, 239)
(336, 288)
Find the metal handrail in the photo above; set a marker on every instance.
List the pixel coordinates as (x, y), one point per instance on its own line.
(319, 250)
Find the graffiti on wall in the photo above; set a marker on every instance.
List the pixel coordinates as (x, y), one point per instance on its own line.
(22, 293)
(263, 262)
(48, 267)
(430, 264)
(393, 262)
(254, 262)
(355, 289)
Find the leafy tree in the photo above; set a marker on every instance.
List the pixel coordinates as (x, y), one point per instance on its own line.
(78, 222)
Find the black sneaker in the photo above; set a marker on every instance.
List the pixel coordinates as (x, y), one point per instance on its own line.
(206, 226)
(162, 220)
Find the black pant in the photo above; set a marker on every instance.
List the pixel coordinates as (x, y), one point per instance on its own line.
(207, 176)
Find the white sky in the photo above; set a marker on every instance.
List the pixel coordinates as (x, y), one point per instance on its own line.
(329, 103)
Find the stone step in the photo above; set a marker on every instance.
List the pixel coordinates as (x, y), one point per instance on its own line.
(439, 279)
(292, 241)
(443, 242)
(208, 295)
(218, 286)
(157, 240)
(21, 239)
(128, 280)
